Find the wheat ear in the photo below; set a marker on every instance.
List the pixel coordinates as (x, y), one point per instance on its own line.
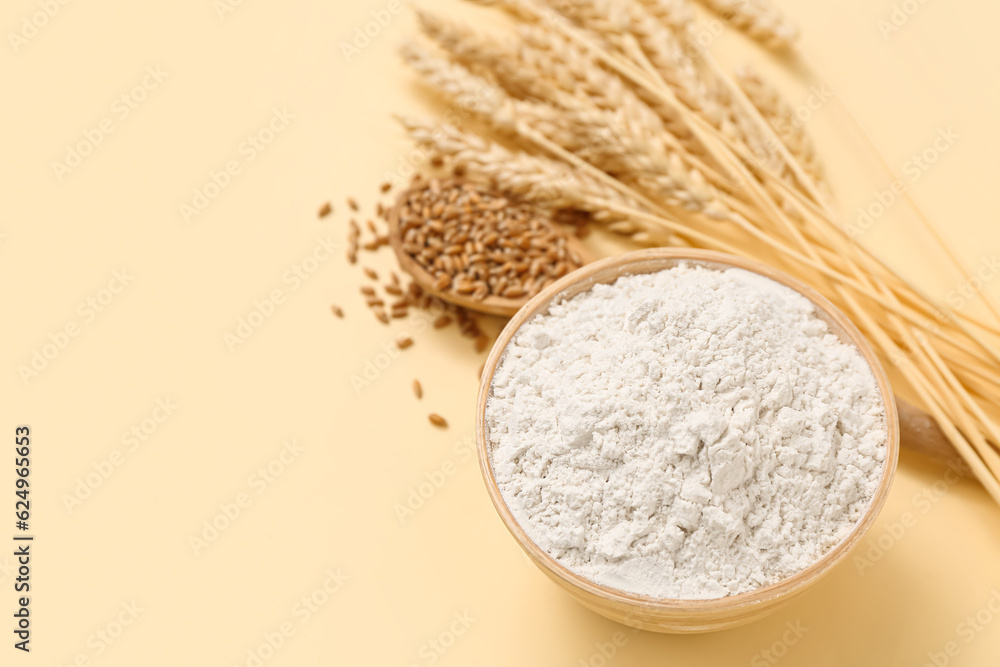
(759, 19)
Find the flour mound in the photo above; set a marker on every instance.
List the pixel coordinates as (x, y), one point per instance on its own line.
(685, 434)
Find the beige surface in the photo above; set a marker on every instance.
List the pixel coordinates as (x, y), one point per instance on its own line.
(332, 508)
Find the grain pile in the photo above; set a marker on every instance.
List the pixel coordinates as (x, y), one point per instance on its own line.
(478, 243)
(391, 299)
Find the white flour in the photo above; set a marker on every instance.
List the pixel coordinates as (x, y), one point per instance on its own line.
(686, 434)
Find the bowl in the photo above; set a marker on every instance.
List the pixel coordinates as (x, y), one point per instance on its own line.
(666, 614)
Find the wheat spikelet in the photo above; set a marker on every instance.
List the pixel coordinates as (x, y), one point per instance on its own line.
(678, 15)
(615, 21)
(465, 90)
(574, 71)
(607, 141)
(582, 132)
(781, 117)
(538, 179)
(603, 20)
(667, 54)
(519, 9)
(546, 183)
(570, 67)
(548, 67)
(495, 108)
(593, 107)
(481, 54)
(760, 19)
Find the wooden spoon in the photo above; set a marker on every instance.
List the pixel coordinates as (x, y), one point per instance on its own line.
(492, 305)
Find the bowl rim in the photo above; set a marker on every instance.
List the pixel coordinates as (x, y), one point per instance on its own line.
(670, 257)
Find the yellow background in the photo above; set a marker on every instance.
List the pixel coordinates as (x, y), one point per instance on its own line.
(333, 506)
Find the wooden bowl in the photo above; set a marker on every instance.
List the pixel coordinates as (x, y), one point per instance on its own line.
(491, 305)
(673, 615)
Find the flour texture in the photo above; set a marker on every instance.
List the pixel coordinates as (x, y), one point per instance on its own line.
(689, 434)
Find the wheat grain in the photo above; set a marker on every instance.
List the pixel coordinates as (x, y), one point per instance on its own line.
(477, 242)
